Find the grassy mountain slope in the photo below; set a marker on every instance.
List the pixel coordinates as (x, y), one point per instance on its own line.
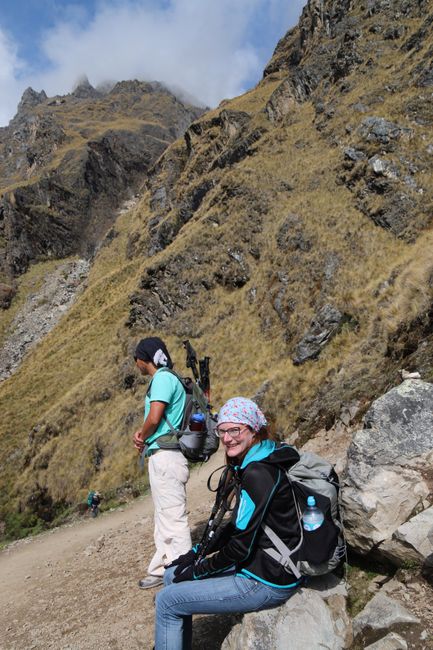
(307, 197)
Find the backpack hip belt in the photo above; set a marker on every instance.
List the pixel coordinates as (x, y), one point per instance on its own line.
(169, 441)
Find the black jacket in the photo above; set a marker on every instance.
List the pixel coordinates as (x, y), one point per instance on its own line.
(264, 496)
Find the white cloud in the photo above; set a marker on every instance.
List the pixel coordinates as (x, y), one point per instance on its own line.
(202, 46)
(192, 44)
(10, 89)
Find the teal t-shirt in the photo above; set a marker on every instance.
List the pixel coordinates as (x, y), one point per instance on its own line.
(166, 388)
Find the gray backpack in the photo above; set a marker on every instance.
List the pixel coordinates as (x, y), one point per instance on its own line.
(322, 550)
(196, 446)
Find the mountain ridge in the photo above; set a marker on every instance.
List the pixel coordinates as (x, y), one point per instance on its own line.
(67, 161)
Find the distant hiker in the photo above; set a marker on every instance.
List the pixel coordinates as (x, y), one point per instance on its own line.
(168, 468)
(93, 501)
(240, 576)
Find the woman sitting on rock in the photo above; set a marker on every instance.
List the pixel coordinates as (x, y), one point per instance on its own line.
(230, 571)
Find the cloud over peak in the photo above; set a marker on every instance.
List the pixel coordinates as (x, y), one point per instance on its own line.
(209, 49)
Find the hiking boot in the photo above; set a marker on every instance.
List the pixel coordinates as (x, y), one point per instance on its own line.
(150, 581)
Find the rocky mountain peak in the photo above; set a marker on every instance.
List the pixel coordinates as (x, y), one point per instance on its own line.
(51, 147)
(136, 86)
(30, 99)
(330, 31)
(84, 90)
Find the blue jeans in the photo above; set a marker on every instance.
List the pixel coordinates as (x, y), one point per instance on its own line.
(229, 593)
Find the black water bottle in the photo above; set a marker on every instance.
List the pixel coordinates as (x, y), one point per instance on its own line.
(197, 422)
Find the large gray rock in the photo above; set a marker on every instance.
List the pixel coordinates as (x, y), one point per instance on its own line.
(381, 613)
(388, 467)
(312, 618)
(410, 541)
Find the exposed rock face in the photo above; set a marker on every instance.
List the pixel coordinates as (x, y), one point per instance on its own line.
(377, 129)
(324, 327)
(77, 181)
(389, 475)
(41, 312)
(30, 99)
(85, 90)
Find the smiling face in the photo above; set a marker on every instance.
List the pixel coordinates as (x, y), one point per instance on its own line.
(236, 438)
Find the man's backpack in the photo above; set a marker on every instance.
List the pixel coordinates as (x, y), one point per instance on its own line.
(322, 550)
(90, 497)
(196, 446)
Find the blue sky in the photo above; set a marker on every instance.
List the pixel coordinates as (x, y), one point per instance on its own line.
(211, 49)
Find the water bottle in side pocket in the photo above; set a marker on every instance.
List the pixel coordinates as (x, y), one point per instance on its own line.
(312, 517)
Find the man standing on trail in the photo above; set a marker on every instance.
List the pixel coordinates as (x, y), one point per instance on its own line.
(168, 468)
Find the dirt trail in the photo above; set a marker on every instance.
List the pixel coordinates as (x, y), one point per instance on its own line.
(75, 588)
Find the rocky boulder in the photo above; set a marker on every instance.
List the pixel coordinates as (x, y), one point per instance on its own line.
(313, 618)
(388, 485)
(382, 614)
(410, 541)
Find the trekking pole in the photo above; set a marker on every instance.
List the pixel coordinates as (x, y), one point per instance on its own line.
(191, 359)
(205, 377)
(224, 493)
(218, 498)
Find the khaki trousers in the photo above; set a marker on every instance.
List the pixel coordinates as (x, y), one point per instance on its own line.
(168, 475)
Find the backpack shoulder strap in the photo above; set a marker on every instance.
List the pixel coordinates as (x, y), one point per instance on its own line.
(281, 553)
(172, 372)
(178, 377)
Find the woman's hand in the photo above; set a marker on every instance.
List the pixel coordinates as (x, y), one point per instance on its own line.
(184, 572)
(191, 571)
(186, 559)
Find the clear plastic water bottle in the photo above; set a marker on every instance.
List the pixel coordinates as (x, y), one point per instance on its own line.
(312, 517)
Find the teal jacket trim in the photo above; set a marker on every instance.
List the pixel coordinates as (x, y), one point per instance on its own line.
(259, 452)
(245, 510)
(247, 574)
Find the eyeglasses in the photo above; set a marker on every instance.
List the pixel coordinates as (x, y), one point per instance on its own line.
(234, 432)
